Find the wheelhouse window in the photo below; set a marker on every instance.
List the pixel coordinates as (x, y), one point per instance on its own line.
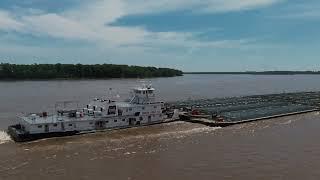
(112, 110)
(40, 126)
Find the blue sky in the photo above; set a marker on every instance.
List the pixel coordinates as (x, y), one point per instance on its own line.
(192, 35)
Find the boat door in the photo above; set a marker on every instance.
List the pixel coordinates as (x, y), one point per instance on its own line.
(100, 125)
(62, 126)
(46, 128)
(132, 121)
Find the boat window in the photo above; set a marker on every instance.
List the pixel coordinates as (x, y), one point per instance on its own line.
(123, 119)
(55, 125)
(107, 121)
(112, 110)
(90, 122)
(143, 108)
(150, 91)
(144, 92)
(155, 106)
(130, 109)
(40, 126)
(115, 120)
(70, 124)
(141, 118)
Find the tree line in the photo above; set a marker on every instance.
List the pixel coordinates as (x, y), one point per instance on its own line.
(77, 71)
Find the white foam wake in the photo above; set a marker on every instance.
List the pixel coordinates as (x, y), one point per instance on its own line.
(4, 137)
(173, 134)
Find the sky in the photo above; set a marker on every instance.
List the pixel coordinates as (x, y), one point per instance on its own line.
(191, 35)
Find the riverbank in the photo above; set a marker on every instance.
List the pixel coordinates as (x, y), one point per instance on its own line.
(81, 71)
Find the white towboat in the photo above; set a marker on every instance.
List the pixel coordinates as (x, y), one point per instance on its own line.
(141, 109)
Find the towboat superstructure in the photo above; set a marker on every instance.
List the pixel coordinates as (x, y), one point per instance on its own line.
(141, 109)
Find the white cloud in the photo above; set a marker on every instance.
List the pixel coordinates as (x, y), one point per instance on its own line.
(98, 12)
(57, 26)
(91, 22)
(238, 5)
(208, 6)
(7, 22)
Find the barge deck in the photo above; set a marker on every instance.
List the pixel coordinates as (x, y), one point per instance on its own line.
(212, 123)
(224, 112)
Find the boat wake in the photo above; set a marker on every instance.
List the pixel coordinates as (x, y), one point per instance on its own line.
(287, 122)
(4, 137)
(173, 134)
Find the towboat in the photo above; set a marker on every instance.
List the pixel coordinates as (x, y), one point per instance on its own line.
(100, 114)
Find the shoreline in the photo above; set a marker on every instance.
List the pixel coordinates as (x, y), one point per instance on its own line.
(80, 79)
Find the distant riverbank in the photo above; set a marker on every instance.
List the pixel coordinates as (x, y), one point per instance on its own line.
(260, 72)
(81, 71)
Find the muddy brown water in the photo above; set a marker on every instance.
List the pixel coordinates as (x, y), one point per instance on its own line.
(282, 148)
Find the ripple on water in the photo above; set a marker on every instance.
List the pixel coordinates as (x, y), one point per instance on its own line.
(4, 137)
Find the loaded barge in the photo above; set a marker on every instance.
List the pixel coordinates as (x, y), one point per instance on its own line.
(221, 112)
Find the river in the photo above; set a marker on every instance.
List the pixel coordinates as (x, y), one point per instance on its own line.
(283, 148)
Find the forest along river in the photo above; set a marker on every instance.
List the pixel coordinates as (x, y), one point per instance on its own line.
(283, 148)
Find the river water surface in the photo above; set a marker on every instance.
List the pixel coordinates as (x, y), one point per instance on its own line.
(283, 148)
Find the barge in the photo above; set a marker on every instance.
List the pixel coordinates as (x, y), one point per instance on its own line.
(140, 109)
(221, 112)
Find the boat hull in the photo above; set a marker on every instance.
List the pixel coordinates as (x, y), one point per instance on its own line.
(19, 135)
